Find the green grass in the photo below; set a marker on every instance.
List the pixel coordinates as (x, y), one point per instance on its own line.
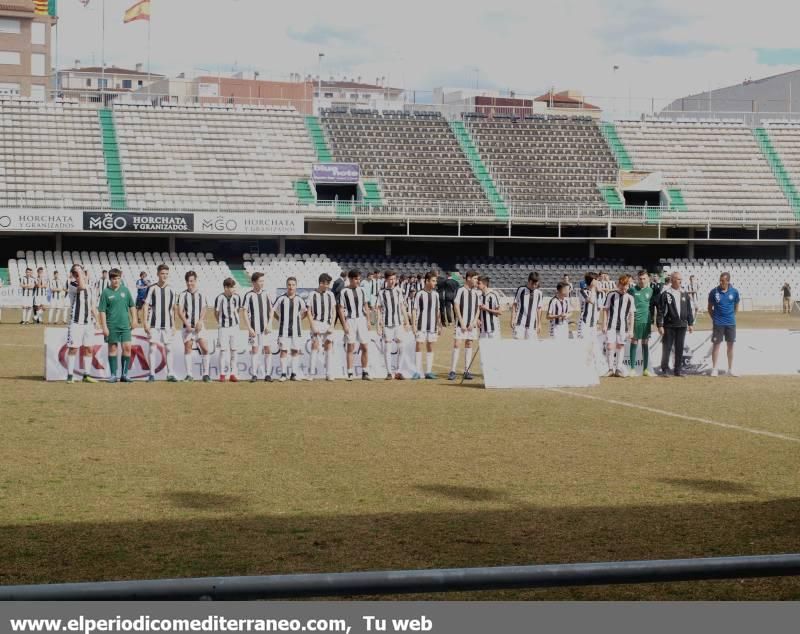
(103, 482)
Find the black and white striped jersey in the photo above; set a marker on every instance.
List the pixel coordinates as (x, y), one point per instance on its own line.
(192, 305)
(227, 309)
(354, 302)
(259, 311)
(101, 285)
(322, 306)
(558, 308)
(468, 301)
(390, 299)
(161, 301)
(374, 287)
(529, 303)
(27, 280)
(619, 307)
(40, 292)
(426, 310)
(290, 311)
(490, 323)
(591, 305)
(80, 304)
(57, 288)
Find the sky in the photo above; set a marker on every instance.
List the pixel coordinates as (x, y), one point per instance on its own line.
(662, 50)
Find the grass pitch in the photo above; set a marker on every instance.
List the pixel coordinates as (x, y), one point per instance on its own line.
(103, 482)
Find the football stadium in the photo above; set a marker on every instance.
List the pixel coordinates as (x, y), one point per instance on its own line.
(331, 329)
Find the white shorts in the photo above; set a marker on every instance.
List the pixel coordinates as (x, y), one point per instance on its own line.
(559, 331)
(393, 333)
(359, 333)
(521, 332)
(192, 336)
(619, 338)
(427, 337)
(466, 335)
(259, 341)
(324, 331)
(80, 335)
(226, 338)
(161, 335)
(490, 335)
(291, 343)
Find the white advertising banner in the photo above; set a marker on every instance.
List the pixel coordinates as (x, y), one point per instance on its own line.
(236, 222)
(47, 221)
(56, 357)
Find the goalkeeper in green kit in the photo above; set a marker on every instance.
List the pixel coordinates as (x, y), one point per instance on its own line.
(117, 315)
(644, 303)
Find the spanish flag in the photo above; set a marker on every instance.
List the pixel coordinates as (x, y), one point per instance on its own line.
(139, 11)
(42, 7)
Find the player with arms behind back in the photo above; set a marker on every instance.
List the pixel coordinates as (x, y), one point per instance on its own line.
(192, 311)
(291, 309)
(117, 313)
(80, 333)
(490, 310)
(158, 319)
(528, 303)
(258, 319)
(322, 304)
(467, 316)
(392, 322)
(227, 307)
(618, 325)
(427, 321)
(644, 305)
(354, 313)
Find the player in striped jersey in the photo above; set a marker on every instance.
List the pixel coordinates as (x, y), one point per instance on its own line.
(490, 310)
(28, 285)
(40, 295)
(467, 316)
(159, 321)
(618, 325)
(392, 322)
(227, 308)
(80, 332)
(355, 313)
(427, 323)
(290, 309)
(258, 319)
(103, 283)
(528, 303)
(58, 306)
(591, 308)
(322, 304)
(558, 311)
(192, 311)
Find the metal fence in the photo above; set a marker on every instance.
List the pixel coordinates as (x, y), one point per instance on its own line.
(413, 581)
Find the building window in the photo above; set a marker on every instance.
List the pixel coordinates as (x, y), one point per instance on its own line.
(328, 95)
(8, 25)
(127, 83)
(37, 65)
(10, 57)
(9, 90)
(38, 34)
(354, 96)
(141, 83)
(102, 84)
(89, 83)
(38, 93)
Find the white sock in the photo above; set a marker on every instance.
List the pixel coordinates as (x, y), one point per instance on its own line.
(233, 363)
(71, 363)
(284, 365)
(610, 352)
(50, 314)
(253, 364)
(26, 314)
(430, 362)
(312, 370)
(292, 364)
(453, 360)
(329, 362)
(621, 359)
(267, 364)
(223, 370)
(168, 358)
(400, 357)
(153, 356)
(387, 357)
(206, 363)
(467, 359)
(419, 362)
(187, 360)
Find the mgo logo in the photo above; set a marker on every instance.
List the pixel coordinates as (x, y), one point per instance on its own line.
(104, 222)
(140, 359)
(5, 222)
(219, 224)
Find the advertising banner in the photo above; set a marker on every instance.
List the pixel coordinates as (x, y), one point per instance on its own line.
(56, 357)
(138, 221)
(31, 220)
(252, 224)
(336, 173)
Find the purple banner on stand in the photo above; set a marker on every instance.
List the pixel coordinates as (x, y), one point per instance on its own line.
(341, 173)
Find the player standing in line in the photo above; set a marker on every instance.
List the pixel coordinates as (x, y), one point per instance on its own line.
(28, 285)
(427, 321)
(142, 284)
(258, 319)
(558, 311)
(322, 304)
(227, 307)
(355, 313)
(40, 296)
(80, 332)
(103, 283)
(490, 310)
(192, 311)
(528, 303)
(117, 316)
(58, 309)
(159, 321)
(591, 308)
(644, 305)
(392, 321)
(467, 315)
(291, 309)
(618, 325)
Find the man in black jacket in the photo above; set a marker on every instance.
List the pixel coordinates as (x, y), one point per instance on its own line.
(674, 316)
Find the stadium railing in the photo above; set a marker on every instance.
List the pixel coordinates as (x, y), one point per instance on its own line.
(414, 581)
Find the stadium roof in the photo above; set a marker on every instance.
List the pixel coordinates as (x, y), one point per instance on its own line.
(354, 85)
(23, 6)
(112, 70)
(565, 100)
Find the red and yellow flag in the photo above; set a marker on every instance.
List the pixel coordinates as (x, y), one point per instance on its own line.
(139, 11)
(42, 7)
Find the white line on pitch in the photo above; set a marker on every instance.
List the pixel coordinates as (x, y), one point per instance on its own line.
(694, 419)
(20, 345)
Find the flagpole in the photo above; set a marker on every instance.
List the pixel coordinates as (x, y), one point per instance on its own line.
(149, 20)
(103, 55)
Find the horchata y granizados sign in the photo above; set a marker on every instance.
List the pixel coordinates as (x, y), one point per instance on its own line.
(155, 222)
